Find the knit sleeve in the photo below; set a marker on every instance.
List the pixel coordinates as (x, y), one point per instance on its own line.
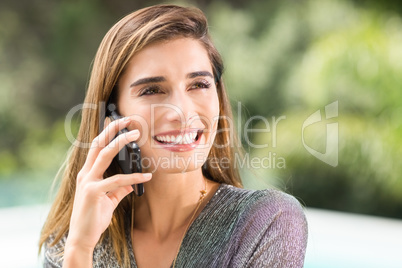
(284, 235)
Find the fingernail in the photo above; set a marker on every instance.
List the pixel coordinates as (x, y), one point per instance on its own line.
(126, 119)
(147, 175)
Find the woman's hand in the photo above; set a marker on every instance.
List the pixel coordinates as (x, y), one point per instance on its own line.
(96, 198)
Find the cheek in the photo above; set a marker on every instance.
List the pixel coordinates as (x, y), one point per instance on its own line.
(211, 118)
(213, 111)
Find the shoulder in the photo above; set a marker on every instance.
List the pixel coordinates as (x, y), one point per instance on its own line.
(266, 203)
(267, 212)
(271, 228)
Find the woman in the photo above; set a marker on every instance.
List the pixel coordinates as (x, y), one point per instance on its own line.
(160, 70)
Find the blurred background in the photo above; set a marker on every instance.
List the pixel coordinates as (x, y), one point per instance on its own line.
(285, 61)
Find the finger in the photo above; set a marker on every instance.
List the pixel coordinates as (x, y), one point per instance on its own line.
(106, 122)
(107, 154)
(117, 195)
(111, 130)
(113, 183)
(103, 139)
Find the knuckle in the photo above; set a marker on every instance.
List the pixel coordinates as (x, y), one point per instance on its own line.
(113, 144)
(88, 189)
(116, 179)
(112, 127)
(105, 153)
(114, 148)
(124, 137)
(95, 142)
(80, 176)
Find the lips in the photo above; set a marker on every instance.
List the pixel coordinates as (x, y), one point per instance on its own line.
(179, 141)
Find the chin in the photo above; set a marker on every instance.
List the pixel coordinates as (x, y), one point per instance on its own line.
(174, 163)
(179, 170)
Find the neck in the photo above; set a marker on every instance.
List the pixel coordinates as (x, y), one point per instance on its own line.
(169, 202)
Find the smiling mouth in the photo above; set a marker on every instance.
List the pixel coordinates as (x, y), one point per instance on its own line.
(181, 139)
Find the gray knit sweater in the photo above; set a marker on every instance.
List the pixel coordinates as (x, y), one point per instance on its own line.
(237, 228)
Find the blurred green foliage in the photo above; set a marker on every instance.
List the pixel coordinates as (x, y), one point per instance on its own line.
(282, 58)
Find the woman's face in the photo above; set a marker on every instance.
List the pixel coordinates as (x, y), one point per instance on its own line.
(168, 90)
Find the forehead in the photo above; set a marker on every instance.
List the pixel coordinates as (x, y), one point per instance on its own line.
(175, 57)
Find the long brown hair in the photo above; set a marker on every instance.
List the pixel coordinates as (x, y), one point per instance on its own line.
(126, 38)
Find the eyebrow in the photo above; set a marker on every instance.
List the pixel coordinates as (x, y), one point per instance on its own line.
(201, 73)
(147, 80)
(158, 79)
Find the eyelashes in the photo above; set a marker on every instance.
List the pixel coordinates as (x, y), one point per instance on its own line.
(201, 84)
(150, 90)
(158, 89)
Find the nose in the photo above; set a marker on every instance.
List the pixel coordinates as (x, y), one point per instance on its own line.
(182, 109)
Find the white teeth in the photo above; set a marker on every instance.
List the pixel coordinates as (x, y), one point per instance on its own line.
(180, 139)
(187, 138)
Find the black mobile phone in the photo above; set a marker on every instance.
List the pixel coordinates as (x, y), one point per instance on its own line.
(129, 158)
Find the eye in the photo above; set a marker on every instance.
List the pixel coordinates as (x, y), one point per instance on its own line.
(200, 84)
(151, 90)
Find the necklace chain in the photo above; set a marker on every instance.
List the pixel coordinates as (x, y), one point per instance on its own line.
(203, 193)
